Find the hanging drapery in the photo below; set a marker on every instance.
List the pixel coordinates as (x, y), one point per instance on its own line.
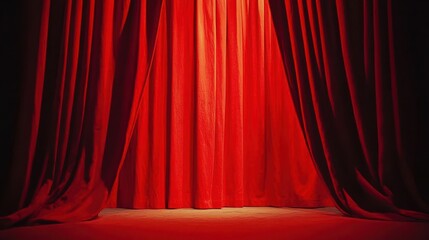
(217, 126)
(167, 104)
(85, 76)
(354, 90)
(188, 98)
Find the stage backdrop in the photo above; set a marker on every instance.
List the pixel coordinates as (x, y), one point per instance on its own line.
(166, 104)
(217, 125)
(185, 101)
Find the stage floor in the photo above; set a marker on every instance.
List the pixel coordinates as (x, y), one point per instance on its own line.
(227, 223)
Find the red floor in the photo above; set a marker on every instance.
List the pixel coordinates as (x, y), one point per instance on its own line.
(227, 223)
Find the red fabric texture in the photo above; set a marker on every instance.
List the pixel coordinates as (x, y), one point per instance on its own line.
(85, 74)
(354, 85)
(165, 104)
(217, 125)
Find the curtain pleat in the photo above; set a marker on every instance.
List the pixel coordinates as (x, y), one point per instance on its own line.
(80, 99)
(217, 127)
(352, 83)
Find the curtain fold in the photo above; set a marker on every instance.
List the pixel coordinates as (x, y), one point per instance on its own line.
(352, 83)
(217, 127)
(159, 104)
(85, 74)
(205, 104)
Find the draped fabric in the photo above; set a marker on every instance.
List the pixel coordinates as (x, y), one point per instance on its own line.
(161, 104)
(86, 64)
(204, 104)
(217, 125)
(354, 76)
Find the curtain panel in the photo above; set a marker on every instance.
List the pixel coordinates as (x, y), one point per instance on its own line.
(355, 78)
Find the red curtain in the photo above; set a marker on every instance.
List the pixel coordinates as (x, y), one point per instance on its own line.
(86, 64)
(159, 103)
(217, 126)
(354, 77)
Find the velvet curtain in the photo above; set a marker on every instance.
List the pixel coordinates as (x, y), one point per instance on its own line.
(355, 75)
(84, 70)
(157, 103)
(185, 104)
(217, 126)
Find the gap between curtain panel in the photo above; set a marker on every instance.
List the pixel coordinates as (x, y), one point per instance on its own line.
(217, 127)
